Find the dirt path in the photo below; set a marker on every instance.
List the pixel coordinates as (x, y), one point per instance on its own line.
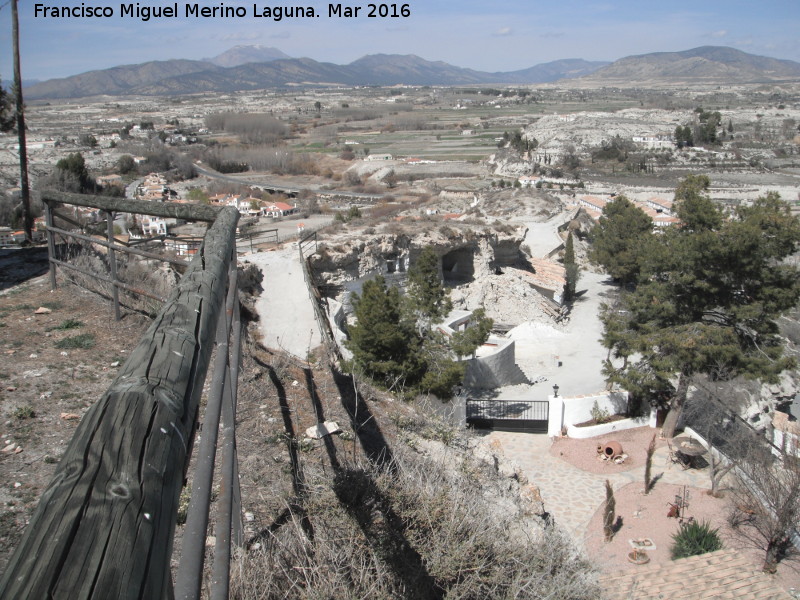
(284, 307)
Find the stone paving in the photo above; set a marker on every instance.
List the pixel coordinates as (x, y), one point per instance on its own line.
(571, 495)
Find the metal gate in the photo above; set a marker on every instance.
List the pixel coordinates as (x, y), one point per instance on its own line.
(508, 415)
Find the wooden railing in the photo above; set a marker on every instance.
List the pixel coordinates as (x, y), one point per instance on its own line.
(104, 527)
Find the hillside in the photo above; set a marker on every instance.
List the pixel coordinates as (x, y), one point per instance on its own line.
(248, 68)
(707, 64)
(117, 80)
(397, 505)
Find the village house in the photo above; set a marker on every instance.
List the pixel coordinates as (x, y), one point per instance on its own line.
(528, 180)
(654, 142)
(278, 209)
(660, 205)
(109, 180)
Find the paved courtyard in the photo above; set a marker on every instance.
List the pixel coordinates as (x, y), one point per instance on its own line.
(571, 495)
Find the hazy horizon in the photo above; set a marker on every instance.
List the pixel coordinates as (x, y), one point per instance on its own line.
(515, 35)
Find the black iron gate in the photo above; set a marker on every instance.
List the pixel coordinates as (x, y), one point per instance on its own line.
(508, 415)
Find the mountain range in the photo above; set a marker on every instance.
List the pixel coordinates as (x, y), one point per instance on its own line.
(256, 67)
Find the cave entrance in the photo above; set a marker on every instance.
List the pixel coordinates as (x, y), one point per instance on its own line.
(459, 265)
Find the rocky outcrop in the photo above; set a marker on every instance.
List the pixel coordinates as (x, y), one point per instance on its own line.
(464, 252)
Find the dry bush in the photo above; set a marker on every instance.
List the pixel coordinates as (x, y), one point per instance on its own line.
(266, 158)
(382, 211)
(152, 276)
(416, 528)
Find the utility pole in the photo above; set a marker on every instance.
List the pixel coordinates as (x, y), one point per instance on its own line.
(20, 111)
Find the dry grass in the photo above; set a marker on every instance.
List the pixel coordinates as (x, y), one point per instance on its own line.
(417, 527)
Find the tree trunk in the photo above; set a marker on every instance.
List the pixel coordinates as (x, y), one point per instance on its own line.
(676, 407)
(771, 558)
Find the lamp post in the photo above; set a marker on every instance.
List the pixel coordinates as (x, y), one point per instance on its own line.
(555, 390)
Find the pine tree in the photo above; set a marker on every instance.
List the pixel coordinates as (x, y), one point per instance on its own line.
(465, 343)
(382, 343)
(428, 299)
(6, 112)
(571, 270)
(707, 300)
(618, 239)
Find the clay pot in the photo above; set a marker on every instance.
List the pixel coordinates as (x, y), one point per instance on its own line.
(612, 449)
(638, 557)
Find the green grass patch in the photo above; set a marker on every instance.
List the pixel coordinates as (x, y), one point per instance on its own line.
(65, 325)
(53, 305)
(25, 412)
(82, 341)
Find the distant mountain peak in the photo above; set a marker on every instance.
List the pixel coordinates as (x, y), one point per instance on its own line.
(243, 54)
(259, 67)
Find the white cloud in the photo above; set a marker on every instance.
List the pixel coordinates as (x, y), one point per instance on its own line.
(503, 32)
(240, 36)
(719, 34)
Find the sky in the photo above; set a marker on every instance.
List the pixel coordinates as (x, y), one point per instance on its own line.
(482, 35)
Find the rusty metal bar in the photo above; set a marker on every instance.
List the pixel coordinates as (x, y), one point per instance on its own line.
(112, 261)
(124, 286)
(220, 573)
(190, 570)
(128, 250)
(51, 243)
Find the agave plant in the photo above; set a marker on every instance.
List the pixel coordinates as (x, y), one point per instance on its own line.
(695, 538)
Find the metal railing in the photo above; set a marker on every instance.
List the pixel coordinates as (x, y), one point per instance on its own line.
(505, 415)
(104, 527)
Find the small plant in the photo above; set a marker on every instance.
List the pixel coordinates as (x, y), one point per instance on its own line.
(82, 341)
(609, 512)
(695, 538)
(599, 415)
(183, 504)
(25, 412)
(305, 445)
(65, 325)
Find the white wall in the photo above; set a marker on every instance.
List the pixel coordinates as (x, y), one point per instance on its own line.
(494, 370)
(579, 409)
(566, 412)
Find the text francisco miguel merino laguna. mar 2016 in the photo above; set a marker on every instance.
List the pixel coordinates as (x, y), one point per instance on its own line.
(220, 11)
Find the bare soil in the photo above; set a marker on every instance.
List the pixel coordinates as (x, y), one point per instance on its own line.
(583, 453)
(45, 389)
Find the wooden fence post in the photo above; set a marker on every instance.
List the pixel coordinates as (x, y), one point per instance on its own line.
(104, 527)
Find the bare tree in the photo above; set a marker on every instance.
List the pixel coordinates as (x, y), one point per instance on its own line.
(766, 505)
(732, 440)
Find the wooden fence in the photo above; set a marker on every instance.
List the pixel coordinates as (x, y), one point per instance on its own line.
(104, 527)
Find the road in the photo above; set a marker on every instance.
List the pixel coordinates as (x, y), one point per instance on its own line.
(290, 191)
